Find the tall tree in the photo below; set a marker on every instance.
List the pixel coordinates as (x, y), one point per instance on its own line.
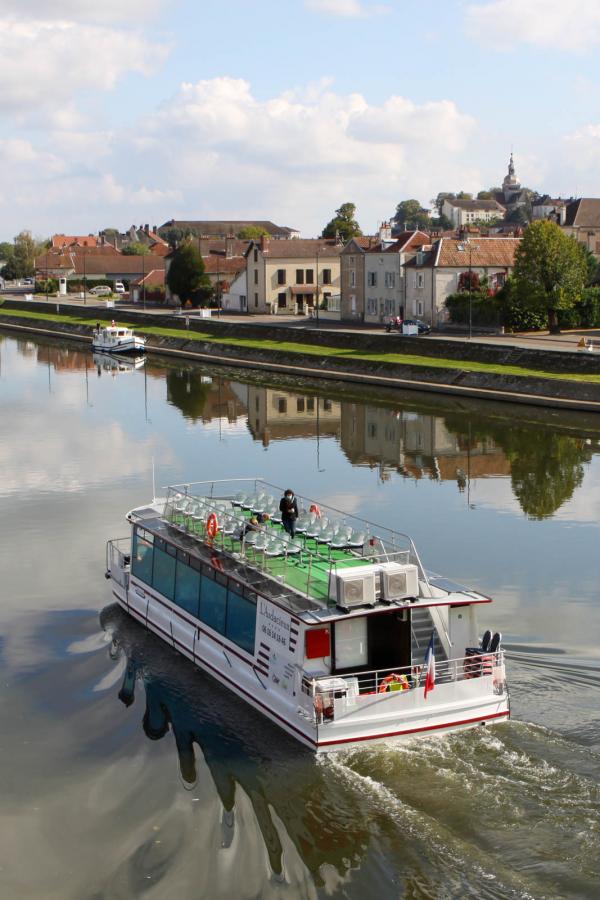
(187, 277)
(25, 252)
(550, 271)
(410, 214)
(343, 223)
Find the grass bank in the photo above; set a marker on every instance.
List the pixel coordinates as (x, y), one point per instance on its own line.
(293, 348)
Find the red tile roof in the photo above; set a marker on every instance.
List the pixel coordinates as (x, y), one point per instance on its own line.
(484, 252)
(66, 240)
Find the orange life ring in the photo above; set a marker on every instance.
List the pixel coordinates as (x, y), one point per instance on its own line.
(212, 525)
(315, 509)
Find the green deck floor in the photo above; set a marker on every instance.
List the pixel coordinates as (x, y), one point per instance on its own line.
(306, 572)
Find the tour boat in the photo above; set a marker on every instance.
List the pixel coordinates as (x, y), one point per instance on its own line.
(338, 634)
(117, 339)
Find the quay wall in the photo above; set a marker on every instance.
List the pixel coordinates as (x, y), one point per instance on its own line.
(530, 358)
(531, 390)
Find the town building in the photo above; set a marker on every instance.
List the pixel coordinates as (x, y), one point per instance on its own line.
(224, 263)
(372, 275)
(582, 221)
(465, 212)
(95, 264)
(228, 228)
(547, 208)
(432, 275)
(290, 277)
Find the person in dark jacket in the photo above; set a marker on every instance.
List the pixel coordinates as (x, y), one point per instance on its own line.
(288, 507)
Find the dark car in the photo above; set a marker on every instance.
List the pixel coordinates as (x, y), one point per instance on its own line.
(422, 327)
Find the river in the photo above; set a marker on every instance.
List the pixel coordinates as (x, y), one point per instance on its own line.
(125, 772)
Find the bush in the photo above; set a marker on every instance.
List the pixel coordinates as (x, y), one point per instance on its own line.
(484, 310)
(50, 286)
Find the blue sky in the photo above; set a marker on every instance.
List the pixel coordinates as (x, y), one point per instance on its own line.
(117, 113)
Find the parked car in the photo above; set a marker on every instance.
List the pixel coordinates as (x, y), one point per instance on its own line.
(423, 327)
(101, 290)
(28, 281)
(119, 287)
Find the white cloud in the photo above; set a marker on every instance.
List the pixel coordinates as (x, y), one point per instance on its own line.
(548, 23)
(298, 156)
(44, 64)
(346, 8)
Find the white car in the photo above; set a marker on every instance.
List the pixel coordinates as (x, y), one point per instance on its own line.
(119, 287)
(101, 290)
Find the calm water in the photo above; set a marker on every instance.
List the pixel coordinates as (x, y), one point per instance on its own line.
(124, 772)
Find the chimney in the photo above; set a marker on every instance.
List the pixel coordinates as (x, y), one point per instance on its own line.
(228, 247)
(385, 233)
(146, 228)
(264, 240)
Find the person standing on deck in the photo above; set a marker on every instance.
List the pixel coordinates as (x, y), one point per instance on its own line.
(288, 507)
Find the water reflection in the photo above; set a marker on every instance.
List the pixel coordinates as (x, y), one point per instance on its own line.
(247, 757)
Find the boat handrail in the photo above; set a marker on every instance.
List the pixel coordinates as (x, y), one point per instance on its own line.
(371, 681)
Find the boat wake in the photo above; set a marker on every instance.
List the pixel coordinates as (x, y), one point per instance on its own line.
(509, 813)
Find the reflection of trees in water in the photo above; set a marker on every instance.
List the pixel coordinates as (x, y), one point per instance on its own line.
(188, 391)
(244, 752)
(546, 466)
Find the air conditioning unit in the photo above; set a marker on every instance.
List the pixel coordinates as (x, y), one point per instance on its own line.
(354, 587)
(399, 582)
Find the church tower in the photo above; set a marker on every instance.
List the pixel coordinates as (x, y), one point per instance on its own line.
(511, 184)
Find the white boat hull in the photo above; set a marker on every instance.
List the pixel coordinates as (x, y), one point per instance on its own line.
(125, 345)
(452, 706)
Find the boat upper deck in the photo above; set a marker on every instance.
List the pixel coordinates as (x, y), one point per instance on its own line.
(220, 527)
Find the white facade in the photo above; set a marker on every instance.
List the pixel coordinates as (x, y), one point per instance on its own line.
(461, 216)
(236, 298)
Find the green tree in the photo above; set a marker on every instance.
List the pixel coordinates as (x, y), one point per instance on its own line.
(173, 236)
(550, 270)
(464, 195)
(410, 214)
(25, 251)
(136, 248)
(343, 223)
(485, 195)
(251, 233)
(6, 250)
(187, 277)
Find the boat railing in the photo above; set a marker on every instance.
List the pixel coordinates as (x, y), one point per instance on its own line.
(291, 561)
(320, 695)
(118, 560)
(302, 568)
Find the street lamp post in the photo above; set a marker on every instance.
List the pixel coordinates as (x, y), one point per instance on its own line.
(84, 281)
(143, 282)
(317, 287)
(471, 248)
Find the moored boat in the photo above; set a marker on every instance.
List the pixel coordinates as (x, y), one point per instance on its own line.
(117, 339)
(338, 634)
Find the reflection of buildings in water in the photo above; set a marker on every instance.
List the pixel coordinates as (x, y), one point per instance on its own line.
(416, 445)
(277, 415)
(201, 397)
(296, 801)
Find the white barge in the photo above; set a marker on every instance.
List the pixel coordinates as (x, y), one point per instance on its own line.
(338, 635)
(117, 339)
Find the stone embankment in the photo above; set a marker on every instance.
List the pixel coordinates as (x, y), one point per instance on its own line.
(531, 389)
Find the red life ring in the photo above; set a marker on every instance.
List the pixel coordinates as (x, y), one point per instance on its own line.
(212, 525)
(315, 509)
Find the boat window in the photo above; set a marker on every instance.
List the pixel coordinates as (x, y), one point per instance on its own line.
(163, 573)
(213, 603)
(142, 558)
(121, 333)
(241, 621)
(187, 585)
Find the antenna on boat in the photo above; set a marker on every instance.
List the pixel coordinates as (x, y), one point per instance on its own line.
(153, 483)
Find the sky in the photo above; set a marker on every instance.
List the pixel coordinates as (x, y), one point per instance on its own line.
(116, 113)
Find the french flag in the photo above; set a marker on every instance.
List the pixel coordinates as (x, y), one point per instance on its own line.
(429, 666)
